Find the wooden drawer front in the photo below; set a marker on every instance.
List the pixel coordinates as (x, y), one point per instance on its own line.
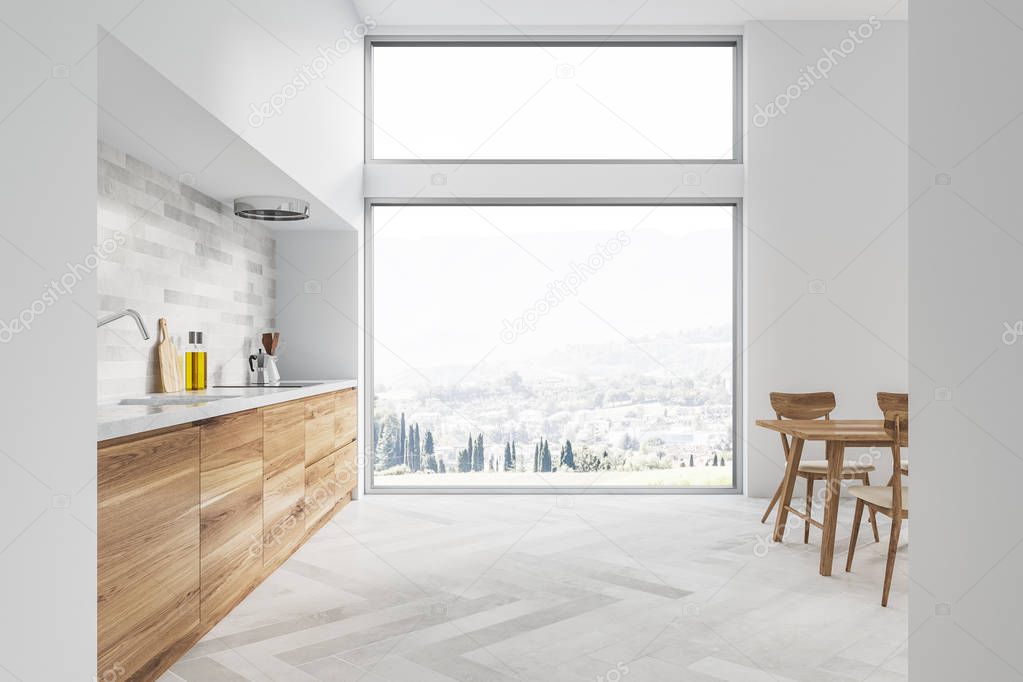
(283, 478)
(319, 427)
(346, 472)
(346, 407)
(148, 550)
(321, 491)
(231, 485)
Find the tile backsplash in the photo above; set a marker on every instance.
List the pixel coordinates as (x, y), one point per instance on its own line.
(171, 251)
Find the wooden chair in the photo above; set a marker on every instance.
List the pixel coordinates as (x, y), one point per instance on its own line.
(812, 406)
(895, 401)
(893, 500)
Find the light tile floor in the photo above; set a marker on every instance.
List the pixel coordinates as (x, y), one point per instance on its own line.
(624, 588)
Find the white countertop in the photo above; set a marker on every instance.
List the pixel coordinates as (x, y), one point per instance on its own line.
(115, 420)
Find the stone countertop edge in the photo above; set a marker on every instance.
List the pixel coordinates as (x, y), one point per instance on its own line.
(115, 421)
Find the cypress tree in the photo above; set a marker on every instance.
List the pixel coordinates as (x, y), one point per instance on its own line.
(441, 468)
(545, 457)
(477, 458)
(464, 461)
(402, 459)
(428, 443)
(536, 458)
(567, 456)
(691, 460)
(507, 457)
(410, 450)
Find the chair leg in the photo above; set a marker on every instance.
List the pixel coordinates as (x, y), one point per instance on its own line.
(857, 520)
(774, 500)
(873, 515)
(809, 505)
(889, 569)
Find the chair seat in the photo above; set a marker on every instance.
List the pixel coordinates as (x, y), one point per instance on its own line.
(821, 467)
(905, 466)
(879, 495)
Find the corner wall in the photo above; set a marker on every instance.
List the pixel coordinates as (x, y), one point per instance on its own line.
(965, 249)
(825, 227)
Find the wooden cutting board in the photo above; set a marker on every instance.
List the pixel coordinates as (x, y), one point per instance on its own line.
(171, 379)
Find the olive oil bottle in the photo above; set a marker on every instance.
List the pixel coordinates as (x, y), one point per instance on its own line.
(195, 362)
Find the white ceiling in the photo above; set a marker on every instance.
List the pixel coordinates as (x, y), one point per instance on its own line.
(516, 15)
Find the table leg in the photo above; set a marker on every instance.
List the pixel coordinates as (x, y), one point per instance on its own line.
(832, 490)
(788, 485)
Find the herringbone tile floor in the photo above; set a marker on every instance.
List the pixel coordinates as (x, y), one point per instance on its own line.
(602, 588)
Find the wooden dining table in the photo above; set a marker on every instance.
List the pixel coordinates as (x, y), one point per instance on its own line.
(837, 434)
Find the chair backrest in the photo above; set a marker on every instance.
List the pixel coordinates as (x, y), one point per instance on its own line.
(896, 424)
(803, 405)
(895, 405)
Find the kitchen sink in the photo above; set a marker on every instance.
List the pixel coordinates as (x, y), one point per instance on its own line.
(283, 384)
(161, 400)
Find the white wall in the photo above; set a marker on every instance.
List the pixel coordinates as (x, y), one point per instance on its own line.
(47, 407)
(965, 249)
(223, 59)
(317, 309)
(824, 211)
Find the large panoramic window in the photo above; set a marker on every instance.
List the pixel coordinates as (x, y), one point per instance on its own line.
(581, 100)
(555, 346)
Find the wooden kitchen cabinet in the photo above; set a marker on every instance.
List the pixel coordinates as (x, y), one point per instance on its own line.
(319, 428)
(345, 417)
(231, 511)
(193, 517)
(283, 479)
(148, 554)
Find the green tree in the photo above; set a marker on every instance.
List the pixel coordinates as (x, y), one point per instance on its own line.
(691, 460)
(387, 447)
(402, 459)
(464, 461)
(515, 457)
(536, 458)
(545, 457)
(410, 450)
(477, 458)
(431, 463)
(441, 468)
(567, 456)
(428, 443)
(508, 464)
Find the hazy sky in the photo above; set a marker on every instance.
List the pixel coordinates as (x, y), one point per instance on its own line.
(454, 284)
(526, 101)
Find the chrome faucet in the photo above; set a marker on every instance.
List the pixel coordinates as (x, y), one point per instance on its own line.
(127, 312)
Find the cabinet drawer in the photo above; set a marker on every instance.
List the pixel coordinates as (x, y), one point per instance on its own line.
(346, 406)
(319, 427)
(321, 490)
(346, 472)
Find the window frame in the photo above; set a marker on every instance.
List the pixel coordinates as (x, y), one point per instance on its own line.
(733, 41)
(368, 343)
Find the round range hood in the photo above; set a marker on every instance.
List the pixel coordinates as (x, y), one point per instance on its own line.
(271, 208)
